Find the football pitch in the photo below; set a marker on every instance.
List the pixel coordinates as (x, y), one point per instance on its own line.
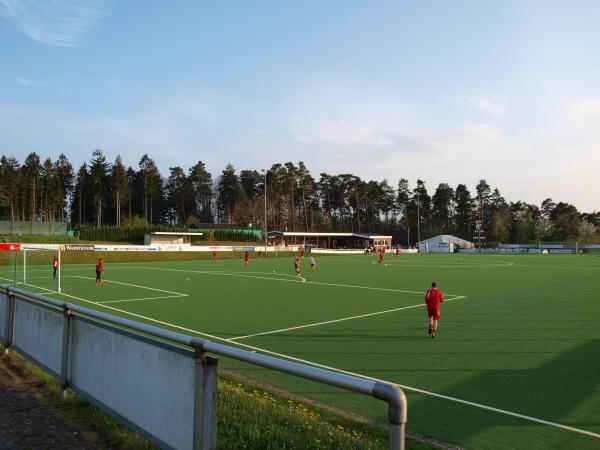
(516, 363)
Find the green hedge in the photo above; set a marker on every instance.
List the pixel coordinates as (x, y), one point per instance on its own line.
(135, 234)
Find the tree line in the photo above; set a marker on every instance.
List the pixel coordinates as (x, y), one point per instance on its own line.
(101, 193)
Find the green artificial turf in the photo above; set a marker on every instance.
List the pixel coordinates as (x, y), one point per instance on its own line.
(525, 339)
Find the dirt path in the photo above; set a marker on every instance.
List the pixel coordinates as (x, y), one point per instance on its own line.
(30, 415)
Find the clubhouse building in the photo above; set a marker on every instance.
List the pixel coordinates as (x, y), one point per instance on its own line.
(329, 240)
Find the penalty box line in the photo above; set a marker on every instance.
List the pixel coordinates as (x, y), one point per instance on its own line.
(335, 369)
(343, 319)
(174, 294)
(292, 279)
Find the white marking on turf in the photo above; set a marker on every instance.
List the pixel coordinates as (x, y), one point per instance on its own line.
(292, 280)
(432, 394)
(314, 364)
(20, 283)
(141, 299)
(452, 266)
(378, 263)
(133, 285)
(336, 320)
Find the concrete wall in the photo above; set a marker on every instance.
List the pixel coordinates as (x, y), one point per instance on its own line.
(149, 386)
(38, 333)
(3, 315)
(162, 390)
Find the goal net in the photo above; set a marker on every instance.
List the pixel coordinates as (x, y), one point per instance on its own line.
(568, 248)
(34, 269)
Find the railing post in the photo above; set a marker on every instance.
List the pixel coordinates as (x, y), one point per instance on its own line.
(10, 321)
(205, 399)
(64, 363)
(397, 412)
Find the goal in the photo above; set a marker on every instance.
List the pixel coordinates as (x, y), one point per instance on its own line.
(32, 268)
(568, 248)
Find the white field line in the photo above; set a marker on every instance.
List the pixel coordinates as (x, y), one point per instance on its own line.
(557, 267)
(322, 366)
(46, 290)
(450, 266)
(134, 285)
(336, 320)
(293, 279)
(141, 299)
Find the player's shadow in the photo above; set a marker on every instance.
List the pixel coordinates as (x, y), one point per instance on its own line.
(563, 390)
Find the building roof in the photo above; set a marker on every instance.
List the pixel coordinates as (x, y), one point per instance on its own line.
(174, 233)
(326, 234)
(446, 239)
(371, 236)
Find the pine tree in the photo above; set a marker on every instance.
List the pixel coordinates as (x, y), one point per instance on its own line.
(98, 182)
(65, 174)
(228, 188)
(201, 184)
(31, 173)
(120, 186)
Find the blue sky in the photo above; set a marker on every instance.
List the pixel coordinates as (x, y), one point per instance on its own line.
(442, 91)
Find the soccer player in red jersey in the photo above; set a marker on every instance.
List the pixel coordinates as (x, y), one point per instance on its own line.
(297, 266)
(260, 254)
(302, 252)
(381, 255)
(397, 251)
(55, 266)
(246, 258)
(214, 255)
(99, 270)
(433, 298)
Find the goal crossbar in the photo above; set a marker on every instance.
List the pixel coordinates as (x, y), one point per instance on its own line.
(28, 252)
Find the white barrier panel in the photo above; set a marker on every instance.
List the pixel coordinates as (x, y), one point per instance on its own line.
(38, 332)
(41, 246)
(218, 248)
(3, 315)
(148, 385)
(336, 252)
(126, 248)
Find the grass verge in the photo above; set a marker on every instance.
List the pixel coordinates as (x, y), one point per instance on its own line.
(249, 417)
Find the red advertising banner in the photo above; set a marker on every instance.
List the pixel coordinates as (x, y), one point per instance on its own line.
(7, 247)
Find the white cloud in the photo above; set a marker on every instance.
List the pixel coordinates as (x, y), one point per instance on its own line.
(486, 105)
(25, 82)
(334, 128)
(584, 107)
(53, 22)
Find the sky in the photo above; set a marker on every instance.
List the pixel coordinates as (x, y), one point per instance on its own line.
(444, 91)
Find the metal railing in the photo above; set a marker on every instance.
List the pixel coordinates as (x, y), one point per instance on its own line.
(123, 366)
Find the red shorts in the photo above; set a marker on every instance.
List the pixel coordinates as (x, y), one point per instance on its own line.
(434, 313)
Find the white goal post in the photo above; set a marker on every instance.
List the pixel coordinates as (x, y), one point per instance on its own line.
(558, 248)
(36, 257)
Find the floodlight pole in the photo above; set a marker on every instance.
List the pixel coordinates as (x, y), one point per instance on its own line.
(265, 225)
(418, 220)
(59, 270)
